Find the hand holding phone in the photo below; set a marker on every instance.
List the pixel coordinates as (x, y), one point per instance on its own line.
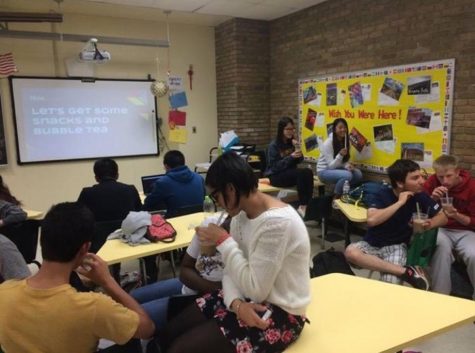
(267, 314)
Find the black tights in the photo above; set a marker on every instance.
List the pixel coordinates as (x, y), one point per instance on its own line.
(191, 331)
(302, 177)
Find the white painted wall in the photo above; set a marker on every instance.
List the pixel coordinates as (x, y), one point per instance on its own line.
(41, 185)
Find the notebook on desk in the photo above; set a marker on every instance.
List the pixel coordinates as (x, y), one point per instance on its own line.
(148, 181)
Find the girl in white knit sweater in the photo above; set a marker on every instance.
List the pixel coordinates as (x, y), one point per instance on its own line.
(334, 166)
(261, 307)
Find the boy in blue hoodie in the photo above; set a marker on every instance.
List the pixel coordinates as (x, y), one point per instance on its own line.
(178, 188)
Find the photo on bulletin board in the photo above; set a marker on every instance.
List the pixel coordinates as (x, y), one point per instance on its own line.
(393, 112)
(3, 145)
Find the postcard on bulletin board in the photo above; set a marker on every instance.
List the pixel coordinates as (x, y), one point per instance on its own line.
(394, 112)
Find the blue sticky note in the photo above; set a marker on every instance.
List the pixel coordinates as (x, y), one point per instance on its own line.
(178, 100)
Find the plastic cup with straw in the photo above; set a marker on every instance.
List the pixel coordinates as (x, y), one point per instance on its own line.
(418, 220)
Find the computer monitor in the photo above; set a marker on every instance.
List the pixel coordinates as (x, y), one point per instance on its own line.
(148, 181)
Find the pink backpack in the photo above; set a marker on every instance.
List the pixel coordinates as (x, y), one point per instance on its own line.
(160, 230)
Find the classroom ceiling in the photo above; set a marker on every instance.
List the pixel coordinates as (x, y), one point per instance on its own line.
(201, 12)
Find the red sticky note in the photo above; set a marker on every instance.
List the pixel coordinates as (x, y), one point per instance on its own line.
(177, 117)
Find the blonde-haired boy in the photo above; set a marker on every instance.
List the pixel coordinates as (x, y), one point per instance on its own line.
(454, 188)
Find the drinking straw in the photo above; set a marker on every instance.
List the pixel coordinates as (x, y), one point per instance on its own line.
(418, 208)
(346, 143)
(220, 217)
(447, 197)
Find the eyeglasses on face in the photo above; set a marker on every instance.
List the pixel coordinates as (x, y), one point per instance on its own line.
(214, 195)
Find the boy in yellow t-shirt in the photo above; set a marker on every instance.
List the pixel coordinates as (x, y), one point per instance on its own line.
(44, 314)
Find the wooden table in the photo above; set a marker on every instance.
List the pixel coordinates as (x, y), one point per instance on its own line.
(115, 251)
(352, 213)
(350, 314)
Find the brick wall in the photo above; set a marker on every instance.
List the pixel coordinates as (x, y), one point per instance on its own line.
(348, 35)
(242, 79)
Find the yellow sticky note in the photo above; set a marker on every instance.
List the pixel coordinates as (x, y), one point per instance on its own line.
(178, 135)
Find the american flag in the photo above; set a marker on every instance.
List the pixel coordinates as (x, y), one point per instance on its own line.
(7, 65)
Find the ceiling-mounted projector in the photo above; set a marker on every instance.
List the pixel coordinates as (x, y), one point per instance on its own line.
(97, 56)
(91, 53)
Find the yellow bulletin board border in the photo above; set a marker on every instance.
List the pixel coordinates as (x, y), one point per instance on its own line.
(392, 112)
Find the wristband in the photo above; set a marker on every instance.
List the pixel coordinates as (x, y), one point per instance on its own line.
(222, 238)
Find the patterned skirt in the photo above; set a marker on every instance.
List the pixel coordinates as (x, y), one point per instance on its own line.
(284, 328)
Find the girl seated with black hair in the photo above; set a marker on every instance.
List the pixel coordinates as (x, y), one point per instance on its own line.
(334, 166)
(283, 155)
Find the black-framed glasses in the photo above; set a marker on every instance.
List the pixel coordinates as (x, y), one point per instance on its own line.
(213, 195)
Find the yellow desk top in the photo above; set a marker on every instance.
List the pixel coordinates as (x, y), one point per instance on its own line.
(267, 188)
(353, 213)
(360, 315)
(115, 251)
(31, 214)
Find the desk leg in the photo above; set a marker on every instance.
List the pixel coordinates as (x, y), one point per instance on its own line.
(143, 271)
(324, 232)
(347, 232)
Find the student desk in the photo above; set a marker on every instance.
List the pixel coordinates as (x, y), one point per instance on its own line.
(115, 251)
(350, 314)
(351, 213)
(36, 215)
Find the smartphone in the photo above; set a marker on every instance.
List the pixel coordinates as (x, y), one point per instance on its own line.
(267, 314)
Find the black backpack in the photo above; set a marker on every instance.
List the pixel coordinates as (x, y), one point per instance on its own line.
(330, 261)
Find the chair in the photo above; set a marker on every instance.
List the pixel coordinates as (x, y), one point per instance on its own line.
(244, 149)
(182, 211)
(258, 161)
(203, 167)
(318, 209)
(25, 236)
(101, 232)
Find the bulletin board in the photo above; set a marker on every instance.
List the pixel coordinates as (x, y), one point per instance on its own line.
(393, 112)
